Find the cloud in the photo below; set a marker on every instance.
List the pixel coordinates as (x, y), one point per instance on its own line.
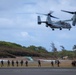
(18, 22)
(6, 23)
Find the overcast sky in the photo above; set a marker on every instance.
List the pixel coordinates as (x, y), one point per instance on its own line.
(18, 23)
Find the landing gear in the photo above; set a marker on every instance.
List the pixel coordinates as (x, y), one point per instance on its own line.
(53, 29)
(73, 24)
(60, 28)
(69, 28)
(46, 25)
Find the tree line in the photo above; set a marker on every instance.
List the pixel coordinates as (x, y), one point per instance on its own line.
(8, 49)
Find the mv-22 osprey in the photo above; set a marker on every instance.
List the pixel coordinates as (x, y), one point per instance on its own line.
(58, 24)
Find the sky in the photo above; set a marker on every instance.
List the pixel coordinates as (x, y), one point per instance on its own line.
(18, 23)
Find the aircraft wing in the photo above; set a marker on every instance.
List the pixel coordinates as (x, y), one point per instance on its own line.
(67, 20)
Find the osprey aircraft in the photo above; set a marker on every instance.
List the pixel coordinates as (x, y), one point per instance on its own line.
(49, 23)
(73, 19)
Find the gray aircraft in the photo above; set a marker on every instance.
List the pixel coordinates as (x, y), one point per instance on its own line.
(58, 24)
(73, 19)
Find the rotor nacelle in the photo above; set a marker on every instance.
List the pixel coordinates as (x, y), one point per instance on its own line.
(73, 18)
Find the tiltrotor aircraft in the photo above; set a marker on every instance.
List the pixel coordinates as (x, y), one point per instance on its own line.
(73, 19)
(58, 24)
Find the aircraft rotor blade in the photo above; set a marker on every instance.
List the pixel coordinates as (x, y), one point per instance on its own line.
(41, 14)
(68, 12)
(49, 14)
(54, 17)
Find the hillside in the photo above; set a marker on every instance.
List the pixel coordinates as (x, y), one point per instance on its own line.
(8, 49)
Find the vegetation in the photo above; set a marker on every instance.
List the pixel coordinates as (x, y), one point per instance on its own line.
(8, 49)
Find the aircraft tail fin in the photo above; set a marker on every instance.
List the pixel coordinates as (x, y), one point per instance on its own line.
(39, 20)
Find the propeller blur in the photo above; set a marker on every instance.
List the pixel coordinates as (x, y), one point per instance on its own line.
(73, 19)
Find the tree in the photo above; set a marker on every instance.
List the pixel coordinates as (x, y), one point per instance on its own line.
(74, 48)
(41, 49)
(63, 48)
(32, 47)
(54, 50)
